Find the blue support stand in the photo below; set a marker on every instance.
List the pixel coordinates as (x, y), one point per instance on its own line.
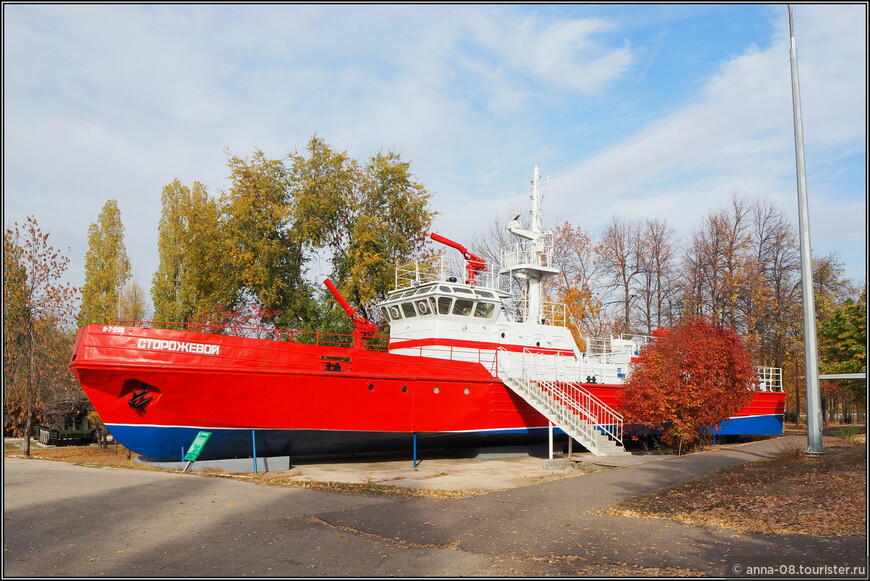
(254, 448)
(415, 451)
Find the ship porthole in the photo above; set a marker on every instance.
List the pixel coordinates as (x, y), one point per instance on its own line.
(502, 335)
(437, 390)
(466, 391)
(371, 387)
(404, 389)
(537, 344)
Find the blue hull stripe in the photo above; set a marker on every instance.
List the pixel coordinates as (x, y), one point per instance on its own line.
(170, 443)
(752, 426)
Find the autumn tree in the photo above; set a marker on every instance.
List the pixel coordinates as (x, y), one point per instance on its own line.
(771, 303)
(367, 219)
(830, 285)
(622, 260)
(168, 291)
(716, 262)
(248, 254)
(265, 244)
(843, 348)
(391, 226)
(107, 268)
(37, 333)
(656, 287)
(574, 255)
(134, 303)
(689, 381)
(191, 281)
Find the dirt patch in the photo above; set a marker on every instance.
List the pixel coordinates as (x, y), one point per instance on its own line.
(793, 494)
(113, 456)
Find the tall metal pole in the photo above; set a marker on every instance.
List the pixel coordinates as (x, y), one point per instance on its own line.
(814, 408)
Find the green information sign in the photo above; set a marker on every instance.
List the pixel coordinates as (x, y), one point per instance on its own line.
(197, 446)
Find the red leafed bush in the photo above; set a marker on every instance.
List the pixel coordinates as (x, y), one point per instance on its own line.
(688, 381)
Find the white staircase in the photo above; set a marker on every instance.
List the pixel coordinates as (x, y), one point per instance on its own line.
(572, 408)
(597, 436)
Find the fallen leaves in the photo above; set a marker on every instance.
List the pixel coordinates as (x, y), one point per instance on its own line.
(790, 495)
(113, 456)
(363, 487)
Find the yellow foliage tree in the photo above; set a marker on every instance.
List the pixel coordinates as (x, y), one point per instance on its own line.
(369, 218)
(575, 257)
(107, 268)
(190, 283)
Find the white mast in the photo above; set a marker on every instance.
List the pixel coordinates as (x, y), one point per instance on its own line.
(533, 262)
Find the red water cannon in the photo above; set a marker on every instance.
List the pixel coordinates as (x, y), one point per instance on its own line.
(473, 263)
(362, 326)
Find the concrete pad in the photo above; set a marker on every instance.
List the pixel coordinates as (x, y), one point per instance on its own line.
(498, 469)
(232, 465)
(481, 473)
(472, 474)
(557, 464)
(505, 469)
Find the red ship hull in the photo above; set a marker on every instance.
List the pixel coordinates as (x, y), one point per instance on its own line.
(156, 389)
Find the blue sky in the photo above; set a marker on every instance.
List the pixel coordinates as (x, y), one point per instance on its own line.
(659, 111)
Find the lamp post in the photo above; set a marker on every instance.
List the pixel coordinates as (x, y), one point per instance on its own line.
(814, 411)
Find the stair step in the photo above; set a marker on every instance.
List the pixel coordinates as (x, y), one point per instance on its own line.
(568, 417)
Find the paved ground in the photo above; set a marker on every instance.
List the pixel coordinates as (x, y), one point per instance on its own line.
(73, 521)
(492, 471)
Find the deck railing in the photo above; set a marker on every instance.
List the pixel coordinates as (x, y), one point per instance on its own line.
(485, 357)
(374, 343)
(551, 313)
(769, 378)
(449, 269)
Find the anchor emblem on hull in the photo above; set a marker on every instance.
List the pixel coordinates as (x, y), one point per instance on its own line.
(139, 399)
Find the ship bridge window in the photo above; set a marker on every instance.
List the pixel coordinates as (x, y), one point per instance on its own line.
(484, 310)
(408, 310)
(444, 305)
(445, 289)
(392, 313)
(487, 294)
(463, 307)
(423, 307)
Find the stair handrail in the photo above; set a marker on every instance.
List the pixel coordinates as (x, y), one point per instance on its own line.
(585, 403)
(595, 415)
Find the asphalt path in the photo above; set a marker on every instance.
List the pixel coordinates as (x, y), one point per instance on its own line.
(73, 521)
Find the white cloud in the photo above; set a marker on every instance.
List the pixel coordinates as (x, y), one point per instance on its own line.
(117, 101)
(738, 138)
